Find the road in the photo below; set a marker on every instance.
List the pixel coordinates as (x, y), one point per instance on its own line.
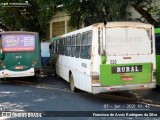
(53, 94)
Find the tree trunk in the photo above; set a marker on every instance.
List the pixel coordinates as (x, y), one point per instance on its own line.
(144, 13)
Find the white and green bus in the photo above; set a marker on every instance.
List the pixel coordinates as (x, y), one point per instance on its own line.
(105, 58)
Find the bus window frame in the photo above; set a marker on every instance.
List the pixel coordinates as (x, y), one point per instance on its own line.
(61, 46)
(73, 45)
(86, 45)
(78, 38)
(68, 46)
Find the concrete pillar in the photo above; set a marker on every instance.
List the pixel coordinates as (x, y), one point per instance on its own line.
(50, 29)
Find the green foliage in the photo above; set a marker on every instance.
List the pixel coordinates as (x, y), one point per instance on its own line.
(93, 11)
(149, 9)
(38, 15)
(32, 18)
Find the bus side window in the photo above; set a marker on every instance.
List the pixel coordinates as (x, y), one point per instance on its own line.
(68, 46)
(78, 40)
(86, 45)
(89, 44)
(61, 46)
(73, 48)
(57, 46)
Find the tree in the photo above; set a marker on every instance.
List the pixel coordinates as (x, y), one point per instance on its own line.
(149, 10)
(30, 18)
(92, 11)
(37, 16)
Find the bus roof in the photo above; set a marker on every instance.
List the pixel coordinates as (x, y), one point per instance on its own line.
(18, 32)
(129, 24)
(53, 39)
(157, 30)
(109, 24)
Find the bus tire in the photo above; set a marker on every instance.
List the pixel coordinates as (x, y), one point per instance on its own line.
(36, 77)
(71, 81)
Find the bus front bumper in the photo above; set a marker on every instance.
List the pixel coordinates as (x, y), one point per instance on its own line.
(100, 89)
(7, 73)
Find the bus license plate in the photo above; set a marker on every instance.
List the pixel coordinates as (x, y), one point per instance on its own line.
(19, 67)
(127, 78)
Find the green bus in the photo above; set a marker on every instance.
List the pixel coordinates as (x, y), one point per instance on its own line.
(20, 54)
(157, 39)
(99, 58)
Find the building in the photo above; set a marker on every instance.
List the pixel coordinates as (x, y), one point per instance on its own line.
(59, 24)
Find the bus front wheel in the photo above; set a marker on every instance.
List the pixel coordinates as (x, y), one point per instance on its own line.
(71, 81)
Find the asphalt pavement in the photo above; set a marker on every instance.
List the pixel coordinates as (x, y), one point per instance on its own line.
(52, 95)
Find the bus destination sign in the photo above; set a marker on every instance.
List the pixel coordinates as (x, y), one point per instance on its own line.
(18, 42)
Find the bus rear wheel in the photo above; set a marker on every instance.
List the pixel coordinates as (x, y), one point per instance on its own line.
(71, 81)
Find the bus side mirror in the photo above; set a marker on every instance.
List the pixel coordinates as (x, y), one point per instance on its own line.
(50, 48)
(1, 54)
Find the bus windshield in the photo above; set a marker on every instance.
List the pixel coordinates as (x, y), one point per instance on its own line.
(128, 41)
(18, 42)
